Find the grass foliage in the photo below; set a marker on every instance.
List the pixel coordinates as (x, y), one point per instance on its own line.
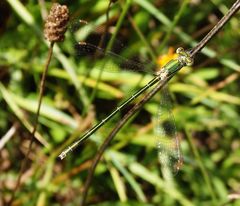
(206, 105)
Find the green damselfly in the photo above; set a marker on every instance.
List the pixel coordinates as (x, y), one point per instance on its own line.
(168, 144)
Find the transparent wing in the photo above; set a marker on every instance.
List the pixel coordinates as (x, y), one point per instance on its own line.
(91, 43)
(110, 61)
(169, 152)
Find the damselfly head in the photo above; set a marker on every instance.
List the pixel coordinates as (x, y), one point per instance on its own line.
(184, 57)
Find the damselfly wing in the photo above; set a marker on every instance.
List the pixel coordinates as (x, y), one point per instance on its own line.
(168, 144)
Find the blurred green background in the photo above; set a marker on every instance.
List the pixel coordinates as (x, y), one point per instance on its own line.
(205, 98)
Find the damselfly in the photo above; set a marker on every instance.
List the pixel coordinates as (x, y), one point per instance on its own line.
(168, 144)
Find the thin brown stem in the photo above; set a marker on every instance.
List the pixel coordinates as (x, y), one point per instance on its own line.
(106, 27)
(32, 135)
(97, 54)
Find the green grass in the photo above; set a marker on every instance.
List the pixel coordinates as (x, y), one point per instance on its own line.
(206, 106)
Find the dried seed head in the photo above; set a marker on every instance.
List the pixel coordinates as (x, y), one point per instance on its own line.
(56, 23)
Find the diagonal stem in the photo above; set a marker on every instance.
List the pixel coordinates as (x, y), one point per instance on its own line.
(235, 7)
(149, 95)
(105, 144)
